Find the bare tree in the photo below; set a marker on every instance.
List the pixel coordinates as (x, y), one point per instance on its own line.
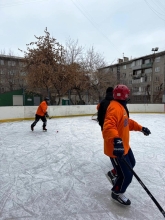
(77, 78)
(73, 51)
(61, 77)
(99, 79)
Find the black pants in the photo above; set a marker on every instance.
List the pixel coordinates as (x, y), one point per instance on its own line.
(37, 118)
(124, 175)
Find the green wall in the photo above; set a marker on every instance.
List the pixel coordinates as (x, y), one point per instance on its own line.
(6, 99)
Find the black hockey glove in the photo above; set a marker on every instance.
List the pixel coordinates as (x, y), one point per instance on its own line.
(46, 114)
(118, 150)
(145, 131)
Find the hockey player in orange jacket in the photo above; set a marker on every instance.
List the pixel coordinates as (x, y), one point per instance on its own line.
(117, 125)
(41, 113)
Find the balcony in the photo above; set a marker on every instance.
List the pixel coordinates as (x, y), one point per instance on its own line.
(136, 67)
(143, 66)
(136, 76)
(147, 65)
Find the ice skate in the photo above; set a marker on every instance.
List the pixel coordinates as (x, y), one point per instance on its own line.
(32, 127)
(111, 177)
(44, 129)
(120, 198)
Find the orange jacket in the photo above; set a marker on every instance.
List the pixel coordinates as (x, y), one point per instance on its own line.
(42, 108)
(117, 125)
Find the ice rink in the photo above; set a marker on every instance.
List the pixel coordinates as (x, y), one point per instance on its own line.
(61, 175)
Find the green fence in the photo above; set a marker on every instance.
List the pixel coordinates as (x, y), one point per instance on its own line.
(6, 99)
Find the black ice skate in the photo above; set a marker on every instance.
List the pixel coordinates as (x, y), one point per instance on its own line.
(44, 129)
(32, 127)
(111, 177)
(120, 198)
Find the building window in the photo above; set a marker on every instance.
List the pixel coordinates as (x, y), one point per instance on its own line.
(136, 89)
(23, 73)
(137, 98)
(124, 67)
(13, 63)
(11, 81)
(157, 78)
(146, 61)
(11, 72)
(138, 62)
(133, 64)
(124, 75)
(157, 69)
(145, 78)
(138, 72)
(136, 81)
(1, 62)
(22, 64)
(2, 80)
(1, 72)
(157, 59)
(148, 70)
(9, 62)
(142, 89)
(157, 88)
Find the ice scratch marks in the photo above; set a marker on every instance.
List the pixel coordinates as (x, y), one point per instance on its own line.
(4, 198)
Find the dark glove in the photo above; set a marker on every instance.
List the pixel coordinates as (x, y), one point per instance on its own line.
(118, 147)
(46, 114)
(145, 131)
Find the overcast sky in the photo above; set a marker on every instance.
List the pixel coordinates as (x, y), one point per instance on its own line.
(112, 27)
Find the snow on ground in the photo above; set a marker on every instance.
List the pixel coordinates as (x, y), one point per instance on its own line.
(61, 175)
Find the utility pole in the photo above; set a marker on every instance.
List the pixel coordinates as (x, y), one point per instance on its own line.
(152, 76)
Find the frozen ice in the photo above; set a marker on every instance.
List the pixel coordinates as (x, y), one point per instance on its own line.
(61, 175)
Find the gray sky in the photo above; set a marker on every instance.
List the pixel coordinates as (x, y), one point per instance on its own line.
(112, 27)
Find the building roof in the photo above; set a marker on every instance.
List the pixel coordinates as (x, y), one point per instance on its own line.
(10, 56)
(137, 58)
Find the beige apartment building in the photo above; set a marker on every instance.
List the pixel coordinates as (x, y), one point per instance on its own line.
(11, 73)
(145, 76)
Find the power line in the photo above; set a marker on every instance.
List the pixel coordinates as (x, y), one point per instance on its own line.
(158, 6)
(94, 25)
(153, 9)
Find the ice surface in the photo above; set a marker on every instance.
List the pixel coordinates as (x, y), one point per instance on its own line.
(61, 175)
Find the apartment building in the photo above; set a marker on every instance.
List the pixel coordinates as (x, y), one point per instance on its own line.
(11, 73)
(145, 76)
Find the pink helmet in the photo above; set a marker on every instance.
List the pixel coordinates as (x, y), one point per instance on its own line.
(121, 92)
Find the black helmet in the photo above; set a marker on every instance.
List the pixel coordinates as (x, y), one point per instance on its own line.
(46, 99)
(109, 89)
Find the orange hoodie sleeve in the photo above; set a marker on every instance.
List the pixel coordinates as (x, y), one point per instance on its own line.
(134, 126)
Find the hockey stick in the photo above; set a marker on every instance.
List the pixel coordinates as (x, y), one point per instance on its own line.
(145, 188)
(93, 116)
